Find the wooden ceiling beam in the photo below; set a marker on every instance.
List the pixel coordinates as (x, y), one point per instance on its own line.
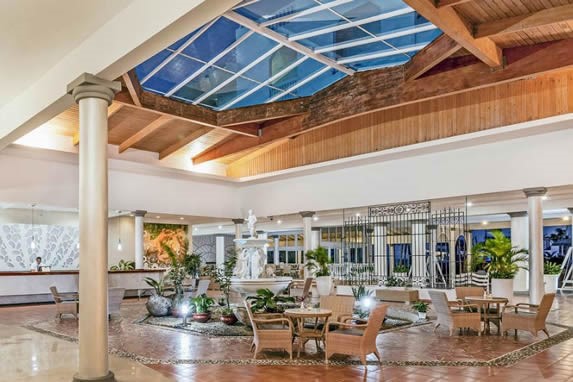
(448, 20)
(440, 49)
(189, 138)
(450, 3)
(264, 112)
(521, 23)
(271, 133)
(144, 133)
(111, 110)
(251, 129)
(133, 86)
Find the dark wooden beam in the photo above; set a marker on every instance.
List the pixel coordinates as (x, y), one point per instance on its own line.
(440, 49)
(450, 3)
(192, 113)
(264, 112)
(251, 129)
(189, 138)
(447, 19)
(271, 133)
(133, 86)
(375, 90)
(521, 23)
(144, 133)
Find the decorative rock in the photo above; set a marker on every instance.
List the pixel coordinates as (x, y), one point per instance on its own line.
(158, 306)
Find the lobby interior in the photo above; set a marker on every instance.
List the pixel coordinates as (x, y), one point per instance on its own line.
(412, 142)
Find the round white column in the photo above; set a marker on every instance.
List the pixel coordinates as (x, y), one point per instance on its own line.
(238, 228)
(535, 213)
(138, 229)
(93, 95)
(307, 231)
(520, 239)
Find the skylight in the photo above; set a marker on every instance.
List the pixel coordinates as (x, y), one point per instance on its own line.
(274, 50)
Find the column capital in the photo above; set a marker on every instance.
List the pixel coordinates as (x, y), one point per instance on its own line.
(238, 221)
(517, 214)
(307, 214)
(535, 191)
(140, 213)
(89, 86)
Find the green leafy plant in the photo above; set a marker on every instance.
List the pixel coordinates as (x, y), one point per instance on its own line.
(401, 268)
(550, 268)
(176, 273)
(505, 260)
(123, 265)
(360, 292)
(393, 281)
(223, 276)
(420, 306)
(157, 285)
(192, 264)
(266, 301)
(202, 303)
(318, 261)
(227, 311)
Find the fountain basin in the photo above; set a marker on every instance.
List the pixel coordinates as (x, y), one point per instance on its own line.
(249, 287)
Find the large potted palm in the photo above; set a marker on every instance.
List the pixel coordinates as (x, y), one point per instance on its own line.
(502, 261)
(317, 262)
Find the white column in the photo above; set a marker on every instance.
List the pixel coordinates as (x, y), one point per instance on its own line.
(520, 239)
(433, 228)
(93, 95)
(190, 238)
(138, 229)
(380, 255)
(307, 231)
(535, 213)
(276, 251)
(219, 251)
(419, 252)
(314, 238)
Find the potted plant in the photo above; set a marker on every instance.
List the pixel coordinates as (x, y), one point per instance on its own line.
(401, 272)
(502, 261)
(267, 302)
(202, 304)
(157, 305)
(123, 265)
(317, 262)
(551, 273)
(223, 277)
(175, 275)
(422, 308)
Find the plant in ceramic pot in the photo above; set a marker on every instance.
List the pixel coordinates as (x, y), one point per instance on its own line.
(202, 304)
(267, 302)
(551, 272)
(175, 275)
(422, 308)
(317, 262)
(401, 272)
(157, 305)
(502, 261)
(223, 277)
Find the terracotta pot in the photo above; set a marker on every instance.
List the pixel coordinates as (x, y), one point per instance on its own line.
(228, 319)
(201, 317)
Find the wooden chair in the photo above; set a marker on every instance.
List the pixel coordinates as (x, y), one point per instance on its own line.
(454, 318)
(66, 303)
(355, 339)
(528, 317)
(270, 333)
(114, 300)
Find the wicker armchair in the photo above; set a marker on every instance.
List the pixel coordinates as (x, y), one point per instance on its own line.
(353, 339)
(527, 316)
(305, 290)
(454, 318)
(66, 303)
(342, 306)
(270, 333)
(463, 292)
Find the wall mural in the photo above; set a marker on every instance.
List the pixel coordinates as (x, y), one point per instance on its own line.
(57, 245)
(155, 235)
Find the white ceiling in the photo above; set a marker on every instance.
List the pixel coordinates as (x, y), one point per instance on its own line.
(37, 34)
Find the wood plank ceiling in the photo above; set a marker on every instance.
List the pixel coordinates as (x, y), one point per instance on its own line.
(486, 42)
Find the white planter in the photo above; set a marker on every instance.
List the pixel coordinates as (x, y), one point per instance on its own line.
(502, 288)
(422, 315)
(550, 282)
(324, 285)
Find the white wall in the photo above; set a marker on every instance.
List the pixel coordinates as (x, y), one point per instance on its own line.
(121, 227)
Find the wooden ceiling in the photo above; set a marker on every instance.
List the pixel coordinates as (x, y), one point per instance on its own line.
(485, 43)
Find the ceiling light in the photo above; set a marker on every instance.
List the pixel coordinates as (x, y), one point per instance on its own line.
(195, 229)
(158, 217)
(220, 227)
(358, 214)
(469, 204)
(315, 218)
(484, 222)
(181, 218)
(566, 218)
(119, 246)
(544, 197)
(279, 221)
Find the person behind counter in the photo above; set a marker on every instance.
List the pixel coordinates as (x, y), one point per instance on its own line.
(37, 265)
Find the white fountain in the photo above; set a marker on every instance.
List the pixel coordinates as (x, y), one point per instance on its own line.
(250, 273)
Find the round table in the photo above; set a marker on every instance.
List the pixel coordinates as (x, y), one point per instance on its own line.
(304, 334)
(484, 304)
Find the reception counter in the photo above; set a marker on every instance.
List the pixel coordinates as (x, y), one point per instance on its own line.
(32, 287)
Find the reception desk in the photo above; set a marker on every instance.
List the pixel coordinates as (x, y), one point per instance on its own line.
(34, 287)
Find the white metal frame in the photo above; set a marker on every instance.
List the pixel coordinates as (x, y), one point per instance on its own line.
(209, 63)
(304, 12)
(268, 81)
(386, 53)
(299, 84)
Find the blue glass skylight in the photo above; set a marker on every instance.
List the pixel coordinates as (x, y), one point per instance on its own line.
(273, 50)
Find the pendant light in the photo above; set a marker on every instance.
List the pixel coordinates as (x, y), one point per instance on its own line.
(119, 246)
(33, 243)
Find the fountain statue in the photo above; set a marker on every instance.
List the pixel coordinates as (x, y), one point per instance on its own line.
(251, 272)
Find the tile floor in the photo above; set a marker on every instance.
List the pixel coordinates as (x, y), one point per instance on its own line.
(28, 355)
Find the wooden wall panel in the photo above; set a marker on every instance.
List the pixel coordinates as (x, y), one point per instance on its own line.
(519, 101)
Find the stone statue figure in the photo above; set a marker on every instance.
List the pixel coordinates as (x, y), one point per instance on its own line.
(251, 221)
(242, 268)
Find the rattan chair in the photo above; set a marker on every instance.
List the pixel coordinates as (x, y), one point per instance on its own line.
(270, 333)
(454, 319)
(305, 290)
(342, 306)
(355, 339)
(528, 317)
(66, 303)
(463, 292)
